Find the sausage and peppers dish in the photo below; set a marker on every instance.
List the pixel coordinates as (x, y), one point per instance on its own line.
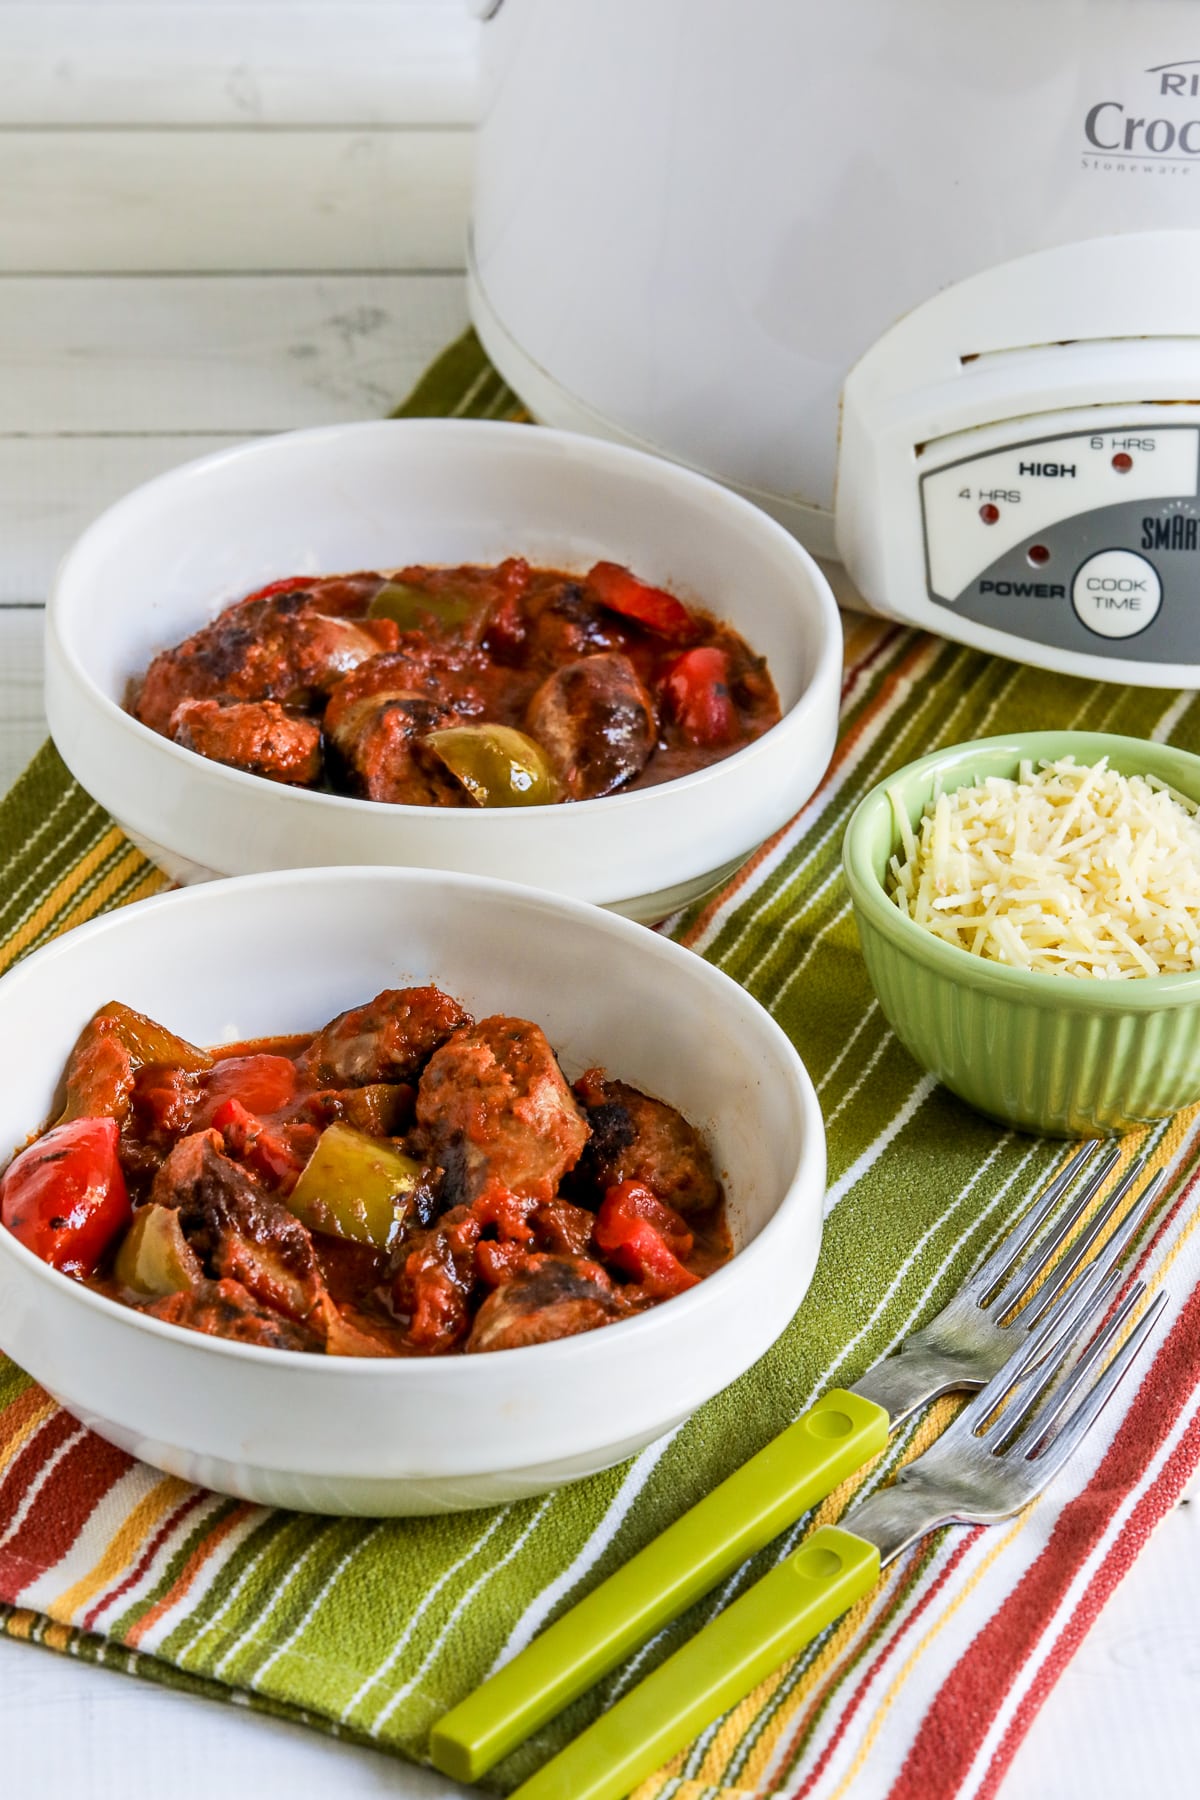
(406, 1182)
(472, 686)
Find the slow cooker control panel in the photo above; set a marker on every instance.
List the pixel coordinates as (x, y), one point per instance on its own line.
(1086, 541)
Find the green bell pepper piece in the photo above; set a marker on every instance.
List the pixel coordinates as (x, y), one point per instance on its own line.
(498, 765)
(149, 1042)
(415, 609)
(379, 1108)
(155, 1257)
(98, 1077)
(357, 1187)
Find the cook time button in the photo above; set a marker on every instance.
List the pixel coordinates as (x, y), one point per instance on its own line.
(1116, 593)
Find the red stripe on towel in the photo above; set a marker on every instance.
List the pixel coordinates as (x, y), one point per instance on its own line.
(968, 1701)
(73, 1488)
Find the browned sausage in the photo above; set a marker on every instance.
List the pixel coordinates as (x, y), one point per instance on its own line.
(238, 1231)
(496, 1111)
(635, 1138)
(255, 735)
(390, 1039)
(596, 723)
(281, 648)
(225, 1309)
(552, 1297)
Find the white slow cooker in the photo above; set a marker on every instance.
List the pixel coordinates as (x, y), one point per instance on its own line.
(923, 280)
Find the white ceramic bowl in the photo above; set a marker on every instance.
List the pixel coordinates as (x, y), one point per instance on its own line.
(285, 952)
(171, 555)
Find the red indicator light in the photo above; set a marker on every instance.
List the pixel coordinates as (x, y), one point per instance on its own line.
(1122, 462)
(989, 513)
(1038, 554)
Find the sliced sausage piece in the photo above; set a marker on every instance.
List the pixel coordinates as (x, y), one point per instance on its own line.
(255, 735)
(375, 718)
(390, 1039)
(238, 1231)
(635, 1138)
(551, 1297)
(567, 621)
(226, 1309)
(596, 723)
(352, 1332)
(280, 648)
(196, 1168)
(434, 1283)
(495, 1111)
(561, 1227)
(324, 649)
(378, 742)
(254, 1239)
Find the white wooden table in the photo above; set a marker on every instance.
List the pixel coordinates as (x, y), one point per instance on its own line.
(218, 221)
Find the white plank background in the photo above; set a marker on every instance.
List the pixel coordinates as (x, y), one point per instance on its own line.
(221, 220)
(249, 198)
(216, 221)
(119, 356)
(396, 62)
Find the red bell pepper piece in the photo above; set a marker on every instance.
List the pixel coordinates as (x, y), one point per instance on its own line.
(65, 1196)
(508, 1212)
(646, 1238)
(263, 1083)
(278, 1154)
(696, 692)
(286, 586)
(497, 1263)
(652, 607)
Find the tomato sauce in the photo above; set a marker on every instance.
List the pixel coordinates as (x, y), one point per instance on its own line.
(406, 1182)
(502, 685)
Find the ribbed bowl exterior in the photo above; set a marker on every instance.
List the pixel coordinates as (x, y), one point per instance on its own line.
(1045, 1053)
(1061, 1070)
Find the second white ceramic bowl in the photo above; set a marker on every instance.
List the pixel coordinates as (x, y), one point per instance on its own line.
(168, 557)
(283, 953)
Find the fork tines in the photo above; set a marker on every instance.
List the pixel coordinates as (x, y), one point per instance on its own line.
(993, 1275)
(1033, 1269)
(1046, 1434)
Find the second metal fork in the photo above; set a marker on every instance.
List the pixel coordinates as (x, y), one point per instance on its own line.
(1016, 1290)
(1039, 1280)
(983, 1468)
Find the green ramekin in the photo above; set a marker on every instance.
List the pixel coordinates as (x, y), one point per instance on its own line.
(1047, 1053)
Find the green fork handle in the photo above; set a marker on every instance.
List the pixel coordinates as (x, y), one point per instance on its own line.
(704, 1545)
(717, 1668)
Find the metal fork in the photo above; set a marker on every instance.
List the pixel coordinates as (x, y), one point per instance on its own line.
(983, 1468)
(962, 1348)
(1018, 1431)
(976, 1332)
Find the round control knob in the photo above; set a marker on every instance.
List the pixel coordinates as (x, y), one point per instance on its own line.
(1116, 593)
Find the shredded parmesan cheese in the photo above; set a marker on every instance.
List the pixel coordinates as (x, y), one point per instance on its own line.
(1070, 869)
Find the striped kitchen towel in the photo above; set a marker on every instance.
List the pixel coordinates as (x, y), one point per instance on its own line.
(372, 1629)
